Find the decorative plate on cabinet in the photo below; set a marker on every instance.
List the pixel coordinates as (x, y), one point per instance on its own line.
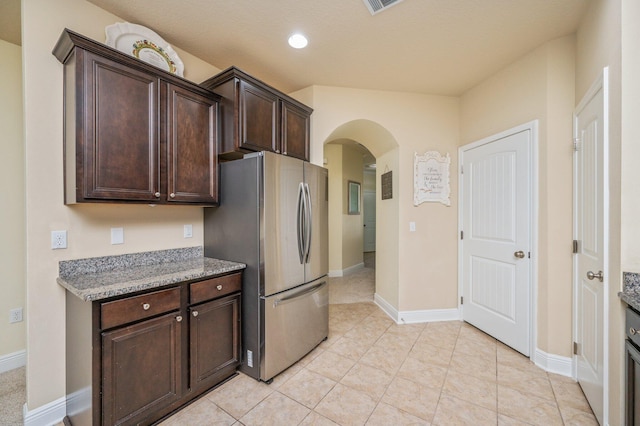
(144, 44)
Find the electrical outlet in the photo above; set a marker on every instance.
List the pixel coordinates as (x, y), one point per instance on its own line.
(15, 315)
(58, 240)
(188, 231)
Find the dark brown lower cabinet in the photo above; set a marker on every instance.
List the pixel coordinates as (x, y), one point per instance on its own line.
(141, 369)
(215, 338)
(133, 360)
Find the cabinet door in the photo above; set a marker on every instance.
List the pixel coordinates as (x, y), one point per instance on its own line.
(192, 160)
(214, 339)
(258, 119)
(140, 369)
(295, 131)
(119, 109)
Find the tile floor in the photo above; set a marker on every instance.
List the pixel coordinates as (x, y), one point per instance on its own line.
(372, 371)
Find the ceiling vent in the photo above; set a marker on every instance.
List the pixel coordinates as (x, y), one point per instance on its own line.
(376, 6)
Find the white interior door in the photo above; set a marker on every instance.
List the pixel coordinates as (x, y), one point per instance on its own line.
(589, 230)
(496, 241)
(369, 219)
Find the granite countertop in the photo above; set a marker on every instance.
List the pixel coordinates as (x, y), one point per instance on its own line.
(630, 293)
(103, 277)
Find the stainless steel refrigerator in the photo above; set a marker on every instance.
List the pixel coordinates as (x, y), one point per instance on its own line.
(273, 217)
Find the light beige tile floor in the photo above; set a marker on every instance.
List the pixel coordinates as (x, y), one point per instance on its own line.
(445, 373)
(373, 371)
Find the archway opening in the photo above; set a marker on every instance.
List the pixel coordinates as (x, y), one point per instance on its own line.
(363, 261)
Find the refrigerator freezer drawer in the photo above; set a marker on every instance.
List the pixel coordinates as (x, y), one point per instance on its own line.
(296, 321)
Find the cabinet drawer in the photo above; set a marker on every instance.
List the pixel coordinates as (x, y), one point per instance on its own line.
(136, 308)
(215, 287)
(633, 326)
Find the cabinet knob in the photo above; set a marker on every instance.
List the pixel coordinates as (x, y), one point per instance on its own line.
(219, 287)
(632, 331)
(146, 306)
(194, 313)
(179, 318)
(172, 195)
(157, 194)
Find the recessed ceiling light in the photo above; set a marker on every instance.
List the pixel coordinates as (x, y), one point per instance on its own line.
(298, 41)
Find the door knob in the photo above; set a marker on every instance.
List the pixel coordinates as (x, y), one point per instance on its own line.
(519, 254)
(599, 276)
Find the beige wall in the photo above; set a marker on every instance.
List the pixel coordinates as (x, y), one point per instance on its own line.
(345, 231)
(599, 44)
(382, 121)
(145, 228)
(539, 86)
(352, 170)
(629, 188)
(12, 258)
(630, 179)
(387, 241)
(333, 156)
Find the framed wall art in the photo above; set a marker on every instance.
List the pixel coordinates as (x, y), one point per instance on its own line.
(353, 193)
(431, 178)
(386, 180)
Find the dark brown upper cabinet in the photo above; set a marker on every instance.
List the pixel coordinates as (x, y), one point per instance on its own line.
(133, 132)
(257, 117)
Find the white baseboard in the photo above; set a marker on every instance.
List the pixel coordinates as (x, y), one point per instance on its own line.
(343, 272)
(553, 363)
(429, 315)
(386, 307)
(13, 360)
(414, 317)
(46, 415)
(79, 401)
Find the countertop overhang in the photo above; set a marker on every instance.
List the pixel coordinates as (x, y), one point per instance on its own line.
(630, 293)
(104, 277)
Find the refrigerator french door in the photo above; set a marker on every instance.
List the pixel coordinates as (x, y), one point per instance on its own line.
(273, 217)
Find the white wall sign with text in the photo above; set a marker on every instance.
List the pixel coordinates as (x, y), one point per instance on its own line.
(431, 178)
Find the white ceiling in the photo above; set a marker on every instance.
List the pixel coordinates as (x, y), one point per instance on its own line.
(422, 46)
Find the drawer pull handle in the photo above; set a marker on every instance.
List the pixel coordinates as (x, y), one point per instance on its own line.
(194, 313)
(172, 195)
(157, 194)
(179, 318)
(219, 287)
(632, 331)
(146, 306)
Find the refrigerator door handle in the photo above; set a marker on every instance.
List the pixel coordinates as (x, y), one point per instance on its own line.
(308, 223)
(299, 294)
(300, 224)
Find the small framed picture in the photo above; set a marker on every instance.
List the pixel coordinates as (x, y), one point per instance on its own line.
(353, 193)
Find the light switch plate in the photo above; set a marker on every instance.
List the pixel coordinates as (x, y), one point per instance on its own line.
(188, 231)
(117, 236)
(412, 227)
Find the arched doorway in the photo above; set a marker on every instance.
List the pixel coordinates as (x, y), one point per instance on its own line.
(350, 148)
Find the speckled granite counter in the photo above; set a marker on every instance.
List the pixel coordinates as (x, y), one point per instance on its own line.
(630, 293)
(102, 277)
